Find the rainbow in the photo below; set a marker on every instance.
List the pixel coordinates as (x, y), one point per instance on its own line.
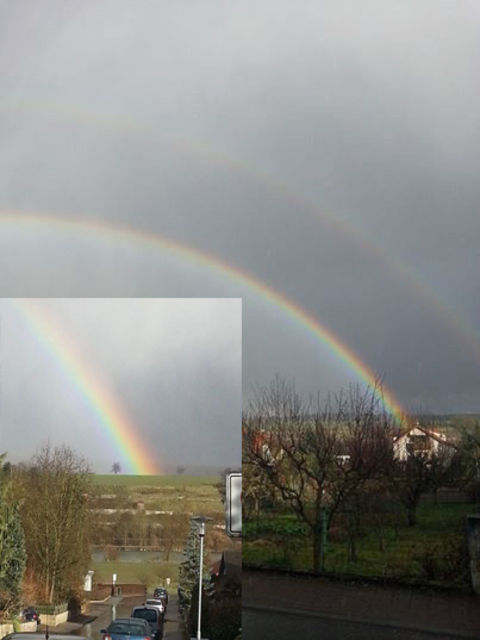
(110, 414)
(447, 316)
(123, 233)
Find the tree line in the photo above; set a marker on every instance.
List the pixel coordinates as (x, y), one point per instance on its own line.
(120, 530)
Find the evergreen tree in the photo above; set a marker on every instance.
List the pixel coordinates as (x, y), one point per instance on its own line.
(12, 554)
(12, 545)
(189, 570)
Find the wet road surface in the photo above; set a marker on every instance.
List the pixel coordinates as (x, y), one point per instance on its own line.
(278, 605)
(121, 609)
(258, 624)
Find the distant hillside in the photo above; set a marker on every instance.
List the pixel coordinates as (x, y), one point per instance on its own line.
(454, 421)
(462, 418)
(177, 480)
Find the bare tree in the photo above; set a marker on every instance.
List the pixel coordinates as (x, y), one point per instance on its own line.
(55, 517)
(175, 531)
(124, 528)
(468, 457)
(316, 455)
(116, 468)
(423, 471)
(256, 490)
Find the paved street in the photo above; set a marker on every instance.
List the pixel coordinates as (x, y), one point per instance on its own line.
(104, 613)
(279, 606)
(261, 624)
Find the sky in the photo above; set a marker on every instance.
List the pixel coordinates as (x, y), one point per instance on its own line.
(318, 160)
(149, 383)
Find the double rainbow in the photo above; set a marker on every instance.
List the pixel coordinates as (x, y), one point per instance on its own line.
(287, 192)
(123, 233)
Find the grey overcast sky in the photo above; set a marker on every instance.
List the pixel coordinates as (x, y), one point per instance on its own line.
(329, 151)
(170, 367)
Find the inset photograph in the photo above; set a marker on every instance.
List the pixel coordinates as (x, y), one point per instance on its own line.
(119, 424)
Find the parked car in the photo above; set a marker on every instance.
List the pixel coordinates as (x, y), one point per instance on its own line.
(35, 635)
(161, 592)
(153, 617)
(158, 603)
(127, 629)
(30, 614)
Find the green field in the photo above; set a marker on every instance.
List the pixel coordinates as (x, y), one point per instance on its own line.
(433, 552)
(177, 480)
(180, 494)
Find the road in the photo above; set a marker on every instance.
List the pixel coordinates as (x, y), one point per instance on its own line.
(106, 613)
(278, 606)
(267, 624)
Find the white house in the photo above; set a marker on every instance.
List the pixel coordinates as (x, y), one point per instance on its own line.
(418, 441)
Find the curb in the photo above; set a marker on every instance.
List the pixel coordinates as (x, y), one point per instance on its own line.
(365, 621)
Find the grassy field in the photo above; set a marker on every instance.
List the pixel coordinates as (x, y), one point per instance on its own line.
(433, 552)
(178, 480)
(149, 573)
(180, 494)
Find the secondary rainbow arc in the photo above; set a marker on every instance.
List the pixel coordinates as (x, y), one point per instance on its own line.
(448, 316)
(196, 256)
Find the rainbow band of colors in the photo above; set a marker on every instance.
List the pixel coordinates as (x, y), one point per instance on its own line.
(108, 410)
(123, 233)
(203, 151)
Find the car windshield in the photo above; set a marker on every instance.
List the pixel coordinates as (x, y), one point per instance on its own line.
(146, 614)
(127, 629)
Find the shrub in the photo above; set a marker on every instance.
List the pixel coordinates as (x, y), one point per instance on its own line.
(445, 561)
(224, 619)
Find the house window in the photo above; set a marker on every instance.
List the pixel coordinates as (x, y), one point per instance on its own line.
(418, 444)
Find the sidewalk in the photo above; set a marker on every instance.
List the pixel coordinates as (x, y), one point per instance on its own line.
(95, 609)
(424, 610)
(174, 625)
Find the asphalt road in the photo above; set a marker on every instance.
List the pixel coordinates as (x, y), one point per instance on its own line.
(279, 605)
(267, 624)
(107, 613)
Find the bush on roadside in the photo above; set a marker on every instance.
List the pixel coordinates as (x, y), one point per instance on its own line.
(225, 619)
(75, 603)
(445, 561)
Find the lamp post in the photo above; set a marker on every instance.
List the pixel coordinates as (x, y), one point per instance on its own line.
(200, 520)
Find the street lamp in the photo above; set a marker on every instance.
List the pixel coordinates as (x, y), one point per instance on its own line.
(200, 520)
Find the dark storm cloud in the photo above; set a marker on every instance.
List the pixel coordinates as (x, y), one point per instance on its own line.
(171, 117)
